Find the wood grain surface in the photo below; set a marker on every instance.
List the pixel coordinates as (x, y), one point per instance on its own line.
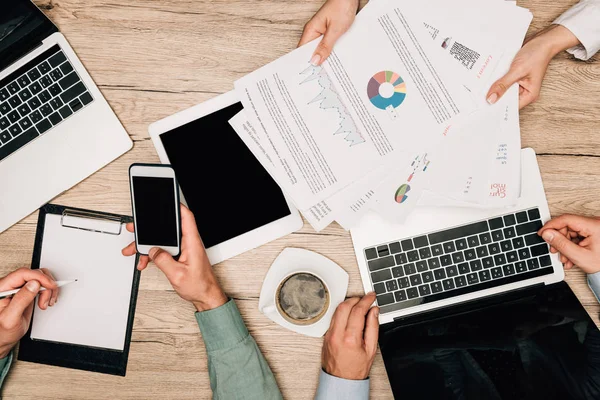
(152, 58)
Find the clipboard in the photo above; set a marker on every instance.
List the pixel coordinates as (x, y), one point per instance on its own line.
(65, 334)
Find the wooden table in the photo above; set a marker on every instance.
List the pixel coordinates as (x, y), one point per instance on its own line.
(154, 58)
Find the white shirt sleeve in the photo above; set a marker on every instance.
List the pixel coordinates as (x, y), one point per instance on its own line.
(583, 19)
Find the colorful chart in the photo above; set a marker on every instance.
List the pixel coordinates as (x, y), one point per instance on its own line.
(401, 193)
(385, 89)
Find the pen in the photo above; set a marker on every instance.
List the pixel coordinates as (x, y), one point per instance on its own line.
(11, 292)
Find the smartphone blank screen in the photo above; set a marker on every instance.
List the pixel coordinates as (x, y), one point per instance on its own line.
(155, 215)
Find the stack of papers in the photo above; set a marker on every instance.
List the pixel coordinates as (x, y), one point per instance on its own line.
(396, 117)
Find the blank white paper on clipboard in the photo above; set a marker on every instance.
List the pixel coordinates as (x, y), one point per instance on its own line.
(94, 310)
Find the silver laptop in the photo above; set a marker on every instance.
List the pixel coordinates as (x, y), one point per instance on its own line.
(56, 129)
(444, 256)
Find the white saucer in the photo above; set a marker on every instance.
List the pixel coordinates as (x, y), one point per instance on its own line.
(294, 260)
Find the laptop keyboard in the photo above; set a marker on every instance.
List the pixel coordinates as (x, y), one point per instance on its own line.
(37, 97)
(459, 260)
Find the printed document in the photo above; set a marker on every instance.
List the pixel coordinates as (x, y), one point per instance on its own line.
(382, 93)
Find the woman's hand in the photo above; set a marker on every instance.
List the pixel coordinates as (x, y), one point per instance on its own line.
(332, 21)
(530, 64)
(577, 239)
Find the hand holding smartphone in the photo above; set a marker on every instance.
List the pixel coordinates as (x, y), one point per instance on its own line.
(156, 212)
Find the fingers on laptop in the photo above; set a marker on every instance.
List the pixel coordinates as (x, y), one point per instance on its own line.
(358, 316)
(572, 237)
(570, 253)
(358, 320)
(582, 226)
(340, 317)
(372, 330)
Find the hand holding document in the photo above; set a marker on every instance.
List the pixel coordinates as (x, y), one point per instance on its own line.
(395, 117)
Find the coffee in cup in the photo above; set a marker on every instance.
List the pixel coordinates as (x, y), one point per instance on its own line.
(302, 298)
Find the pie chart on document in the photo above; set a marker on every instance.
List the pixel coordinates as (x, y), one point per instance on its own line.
(401, 194)
(386, 90)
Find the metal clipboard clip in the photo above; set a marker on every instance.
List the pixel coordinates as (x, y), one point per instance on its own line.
(92, 221)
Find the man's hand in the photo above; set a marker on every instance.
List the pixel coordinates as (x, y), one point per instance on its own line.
(351, 341)
(332, 21)
(192, 276)
(577, 239)
(16, 311)
(530, 64)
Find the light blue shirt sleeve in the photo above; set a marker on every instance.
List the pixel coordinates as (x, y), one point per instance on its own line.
(594, 284)
(333, 388)
(4, 367)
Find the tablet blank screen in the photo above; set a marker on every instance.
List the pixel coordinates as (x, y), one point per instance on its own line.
(224, 185)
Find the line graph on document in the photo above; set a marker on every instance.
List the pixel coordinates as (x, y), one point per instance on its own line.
(328, 99)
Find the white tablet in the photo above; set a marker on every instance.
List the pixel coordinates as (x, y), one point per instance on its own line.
(237, 205)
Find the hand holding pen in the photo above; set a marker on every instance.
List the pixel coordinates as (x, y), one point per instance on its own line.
(16, 311)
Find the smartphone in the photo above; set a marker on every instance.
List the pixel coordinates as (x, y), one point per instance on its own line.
(156, 212)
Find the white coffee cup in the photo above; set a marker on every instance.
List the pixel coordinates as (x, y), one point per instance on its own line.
(292, 261)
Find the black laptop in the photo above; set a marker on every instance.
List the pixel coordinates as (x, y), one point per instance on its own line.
(533, 343)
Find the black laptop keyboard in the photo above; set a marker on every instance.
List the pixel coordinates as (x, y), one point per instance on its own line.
(37, 97)
(459, 260)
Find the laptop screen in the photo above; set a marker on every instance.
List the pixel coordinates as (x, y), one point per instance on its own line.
(20, 25)
(541, 344)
